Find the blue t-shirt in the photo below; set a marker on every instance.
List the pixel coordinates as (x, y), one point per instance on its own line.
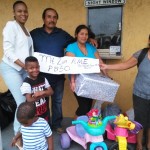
(74, 49)
(52, 44)
(142, 82)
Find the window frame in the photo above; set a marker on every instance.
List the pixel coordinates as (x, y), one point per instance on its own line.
(114, 52)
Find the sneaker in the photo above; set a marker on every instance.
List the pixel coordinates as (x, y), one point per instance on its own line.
(59, 130)
(19, 144)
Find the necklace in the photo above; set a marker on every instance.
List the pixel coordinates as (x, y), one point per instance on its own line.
(83, 50)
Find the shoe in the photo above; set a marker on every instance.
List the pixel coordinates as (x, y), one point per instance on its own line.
(59, 130)
(19, 144)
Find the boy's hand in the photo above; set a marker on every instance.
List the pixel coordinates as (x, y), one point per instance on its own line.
(38, 94)
(13, 142)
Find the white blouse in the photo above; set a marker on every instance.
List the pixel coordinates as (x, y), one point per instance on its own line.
(16, 44)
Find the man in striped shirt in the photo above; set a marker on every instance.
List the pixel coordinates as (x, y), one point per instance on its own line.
(35, 131)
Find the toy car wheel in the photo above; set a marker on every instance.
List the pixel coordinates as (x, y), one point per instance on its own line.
(115, 146)
(65, 141)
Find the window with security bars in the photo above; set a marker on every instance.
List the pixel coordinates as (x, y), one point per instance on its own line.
(106, 24)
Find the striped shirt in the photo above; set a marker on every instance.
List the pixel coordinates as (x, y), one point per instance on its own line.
(34, 136)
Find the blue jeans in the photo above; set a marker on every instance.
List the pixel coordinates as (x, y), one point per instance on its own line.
(57, 97)
(13, 80)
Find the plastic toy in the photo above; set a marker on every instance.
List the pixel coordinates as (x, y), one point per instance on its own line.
(124, 132)
(94, 118)
(84, 131)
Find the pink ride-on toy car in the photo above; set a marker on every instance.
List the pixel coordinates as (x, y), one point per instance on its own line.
(124, 132)
(82, 132)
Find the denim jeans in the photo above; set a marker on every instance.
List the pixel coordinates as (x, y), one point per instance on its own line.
(13, 80)
(56, 107)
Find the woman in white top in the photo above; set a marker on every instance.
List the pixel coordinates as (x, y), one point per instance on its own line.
(17, 45)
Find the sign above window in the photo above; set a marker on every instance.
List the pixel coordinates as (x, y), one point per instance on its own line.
(95, 3)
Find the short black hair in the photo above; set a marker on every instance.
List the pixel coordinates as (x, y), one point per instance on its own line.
(31, 59)
(79, 28)
(82, 26)
(45, 10)
(18, 2)
(26, 111)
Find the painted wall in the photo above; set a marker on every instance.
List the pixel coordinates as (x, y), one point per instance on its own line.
(136, 28)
